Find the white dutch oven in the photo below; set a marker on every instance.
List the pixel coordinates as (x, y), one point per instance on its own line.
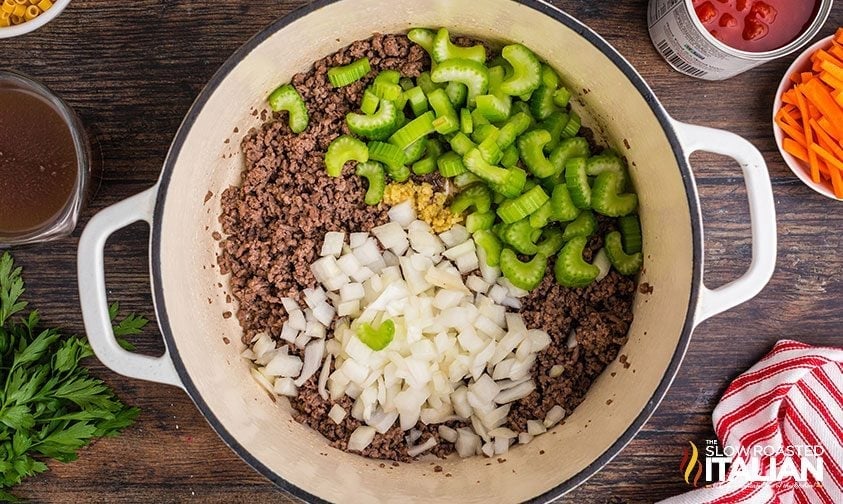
(619, 106)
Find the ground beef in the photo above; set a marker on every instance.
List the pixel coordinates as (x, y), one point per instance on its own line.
(276, 220)
(599, 316)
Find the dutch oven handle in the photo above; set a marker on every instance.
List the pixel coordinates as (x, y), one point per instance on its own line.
(92, 292)
(762, 213)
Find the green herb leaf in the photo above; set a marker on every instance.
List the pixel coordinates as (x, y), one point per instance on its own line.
(49, 405)
(131, 324)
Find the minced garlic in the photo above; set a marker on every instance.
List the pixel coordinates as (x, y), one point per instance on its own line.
(430, 205)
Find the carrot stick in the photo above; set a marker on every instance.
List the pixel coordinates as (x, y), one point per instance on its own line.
(836, 177)
(825, 56)
(789, 119)
(838, 35)
(833, 69)
(806, 126)
(795, 149)
(831, 80)
(806, 76)
(838, 97)
(789, 98)
(817, 93)
(836, 51)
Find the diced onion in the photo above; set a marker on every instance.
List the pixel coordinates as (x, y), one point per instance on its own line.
(283, 365)
(403, 213)
(518, 392)
(312, 360)
(419, 449)
(524, 438)
(535, 427)
(601, 260)
(361, 438)
(332, 246)
(448, 434)
(285, 387)
(323, 377)
(467, 444)
(337, 414)
(553, 416)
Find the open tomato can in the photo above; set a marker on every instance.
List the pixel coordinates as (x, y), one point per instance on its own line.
(718, 39)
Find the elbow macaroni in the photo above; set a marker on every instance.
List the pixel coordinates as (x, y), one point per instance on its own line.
(15, 12)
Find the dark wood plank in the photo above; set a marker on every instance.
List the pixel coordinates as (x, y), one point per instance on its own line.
(132, 69)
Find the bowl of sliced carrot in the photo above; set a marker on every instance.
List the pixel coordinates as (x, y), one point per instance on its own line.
(808, 117)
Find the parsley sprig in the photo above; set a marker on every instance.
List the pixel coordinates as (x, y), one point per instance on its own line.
(50, 406)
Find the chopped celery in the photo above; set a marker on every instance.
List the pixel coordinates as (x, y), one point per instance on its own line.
(377, 126)
(476, 196)
(550, 78)
(577, 181)
(606, 197)
(564, 209)
(567, 149)
(287, 98)
(477, 221)
(626, 264)
(490, 150)
(471, 73)
(353, 72)
(466, 179)
(520, 236)
(450, 164)
(376, 338)
(583, 226)
(489, 246)
(373, 172)
(477, 165)
(417, 99)
(542, 216)
(531, 146)
(343, 149)
(393, 157)
(554, 124)
(443, 49)
(541, 103)
(413, 131)
(370, 102)
(631, 233)
(466, 123)
(526, 67)
(561, 97)
(516, 178)
(427, 85)
(457, 93)
(515, 126)
(483, 131)
(525, 276)
(573, 125)
(607, 161)
(422, 37)
(461, 144)
(516, 209)
(415, 151)
(552, 241)
(571, 269)
(446, 116)
(510, 156)
(431, 154)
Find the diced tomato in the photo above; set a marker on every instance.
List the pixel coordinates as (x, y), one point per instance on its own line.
(728, 21)
(741, 5)
(764, 11)
(707, 12)
(754, 28)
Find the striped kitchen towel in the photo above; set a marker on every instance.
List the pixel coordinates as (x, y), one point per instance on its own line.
(781, 421)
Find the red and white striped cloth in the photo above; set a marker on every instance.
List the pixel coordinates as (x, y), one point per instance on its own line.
(793, 397)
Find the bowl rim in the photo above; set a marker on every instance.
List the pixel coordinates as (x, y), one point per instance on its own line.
(30, 26)
(565, 19)
(796, 166)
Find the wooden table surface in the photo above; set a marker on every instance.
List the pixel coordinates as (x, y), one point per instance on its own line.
(131, 70)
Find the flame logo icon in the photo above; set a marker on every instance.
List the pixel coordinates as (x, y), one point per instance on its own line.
(691, 465)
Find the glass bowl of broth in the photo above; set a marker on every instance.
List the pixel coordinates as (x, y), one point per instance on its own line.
(45, 163)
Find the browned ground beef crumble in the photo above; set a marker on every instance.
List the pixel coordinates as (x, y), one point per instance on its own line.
(276, 220)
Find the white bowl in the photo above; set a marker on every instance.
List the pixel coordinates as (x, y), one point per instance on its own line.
(41, 20)
(797, 166)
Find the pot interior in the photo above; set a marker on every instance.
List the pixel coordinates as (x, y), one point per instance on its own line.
(191, 305)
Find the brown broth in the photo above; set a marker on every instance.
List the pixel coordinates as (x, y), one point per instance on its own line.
(38, 163)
